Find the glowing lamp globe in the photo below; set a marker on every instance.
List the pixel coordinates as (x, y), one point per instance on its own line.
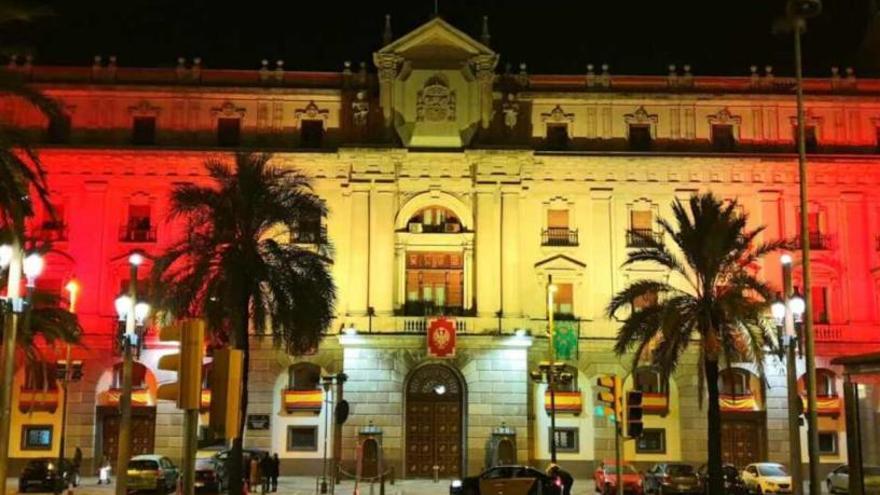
(777, 309)
(123, 306)
(5, 255)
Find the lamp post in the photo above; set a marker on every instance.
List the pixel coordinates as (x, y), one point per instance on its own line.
(126, 307)
(787, 311)
(327, 384)
(798, 12)
(67, 375)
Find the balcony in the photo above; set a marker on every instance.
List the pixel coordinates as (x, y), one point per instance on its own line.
(642, 238)
(739, 403)
(419, 324)
(302, 400)
(565, 402)
(437, 228)
(559, 236)
(818, 241)
(37, 400)
(429, 308)
(826, 405)
(137, 234)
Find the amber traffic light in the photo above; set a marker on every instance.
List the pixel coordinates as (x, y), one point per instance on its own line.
(225, 383)
(187, 391)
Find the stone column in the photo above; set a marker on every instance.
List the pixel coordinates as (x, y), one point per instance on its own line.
(359, 251)
(400, 264)
(381, 251)
(601, 243)
(510, 256)
(468, 292)
(488, 254)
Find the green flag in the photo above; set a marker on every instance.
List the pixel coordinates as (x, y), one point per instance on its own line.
(565, 339)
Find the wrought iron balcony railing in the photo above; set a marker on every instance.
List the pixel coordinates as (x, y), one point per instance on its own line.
(639, 238)
(818, 241)
(137, 234)
(559, 236)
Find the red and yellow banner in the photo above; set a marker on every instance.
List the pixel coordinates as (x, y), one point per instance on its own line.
(739, 403)
(566, 402)
(303, 400)
(826, 405)
(655, 403)
(441, 338)
(37, 400)
(139, 398)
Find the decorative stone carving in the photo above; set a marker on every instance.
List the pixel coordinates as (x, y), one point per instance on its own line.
(557, 115)
(387, 65)
(510, 110)
(640, 116)
(435, 102)
(228, 110)
(809, 120)
(724, 117)
(144, 109)
(360, 109)
(311, 112)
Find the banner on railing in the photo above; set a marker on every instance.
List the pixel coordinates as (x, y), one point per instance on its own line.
(441, 338)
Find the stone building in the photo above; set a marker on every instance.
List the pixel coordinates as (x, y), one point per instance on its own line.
(456, 188)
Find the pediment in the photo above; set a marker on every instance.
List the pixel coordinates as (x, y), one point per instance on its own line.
(436, 39)
(560, 262)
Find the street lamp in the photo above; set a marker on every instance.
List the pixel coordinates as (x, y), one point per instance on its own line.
(10, 261)
(787, 310)
(5, 256)
(133, 314)
(67, 371)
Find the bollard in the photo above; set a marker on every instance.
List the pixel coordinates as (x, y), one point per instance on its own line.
(381, 483)
(436, 473)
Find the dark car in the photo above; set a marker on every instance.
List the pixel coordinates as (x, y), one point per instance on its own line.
(509, 480)
(221, 460)
(207, 479)
(733, 482)
(43, 475)
(672, 477)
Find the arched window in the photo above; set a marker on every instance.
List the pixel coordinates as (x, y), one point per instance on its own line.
(649, 380)
(735, 382)
(435, 219)
(304, 376)
(825, 383)
(138, 376)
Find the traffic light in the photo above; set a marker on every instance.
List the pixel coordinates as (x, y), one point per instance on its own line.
(634, 425)
(225, 383)
(187, 391)
(609, 395)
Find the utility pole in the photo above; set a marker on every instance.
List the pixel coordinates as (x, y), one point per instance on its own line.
(618, 432)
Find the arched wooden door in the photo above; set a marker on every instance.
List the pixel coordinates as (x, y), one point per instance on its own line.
(434, 411)
(370, 459)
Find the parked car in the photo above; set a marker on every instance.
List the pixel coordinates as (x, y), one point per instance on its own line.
(43, 475)
(154, 473)
(513, 480)
(207, 478)
(766, 477)
(605, 478)
(672, 477)
(838, 480)
(733, 482)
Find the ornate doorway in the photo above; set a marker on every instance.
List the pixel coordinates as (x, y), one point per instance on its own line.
(434, 425)
(742, 440)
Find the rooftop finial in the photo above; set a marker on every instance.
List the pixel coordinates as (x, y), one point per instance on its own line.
(485, 37)
(387, 36)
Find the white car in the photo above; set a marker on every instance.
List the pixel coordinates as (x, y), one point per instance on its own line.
(838, 480)
(766, 477)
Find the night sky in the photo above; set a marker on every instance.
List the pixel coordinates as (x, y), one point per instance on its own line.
(552, 36)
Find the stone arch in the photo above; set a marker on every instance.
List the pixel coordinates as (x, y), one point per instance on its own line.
(435, 198)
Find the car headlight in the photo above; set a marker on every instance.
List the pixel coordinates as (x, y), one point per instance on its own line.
(770, 484)
(456, 484)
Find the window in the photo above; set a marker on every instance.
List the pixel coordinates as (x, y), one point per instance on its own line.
(311, 133)
(641, 228)
(434, 283)
(722, 137)
(652, 441)
(557, 136)
(648, 381)
(143, 130)
(819, 297)
(36, 437)
(558, 232)
(435, 219)
(566, 440)
(825, 383)
(735, 382)
(304, 376)
(563, 301)
(810, 140)
(639, 137)
(139, 226)
(302, 438)
(828, 442)
(58, 131)
(228, 131)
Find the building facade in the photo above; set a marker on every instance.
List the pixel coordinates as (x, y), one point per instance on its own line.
(455, 190)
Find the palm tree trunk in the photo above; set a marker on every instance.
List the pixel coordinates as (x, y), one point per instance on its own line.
(237, 469)
(716, 483)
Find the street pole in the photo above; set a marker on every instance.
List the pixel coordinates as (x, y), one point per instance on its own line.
(794, 399)
(552, 369)
(123, 447)
(327, 384)
(618, 432)
(812, 418)
(64, 383)
(190, 447)
(13, 295)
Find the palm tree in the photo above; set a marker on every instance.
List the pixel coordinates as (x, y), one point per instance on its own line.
(236, 268)
(711, 298)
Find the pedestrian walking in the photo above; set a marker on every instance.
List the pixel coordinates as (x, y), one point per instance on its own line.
(254, 472)
(104, 471)
(276, 471)
(565, 478)
(77, 461)
(265, 471)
